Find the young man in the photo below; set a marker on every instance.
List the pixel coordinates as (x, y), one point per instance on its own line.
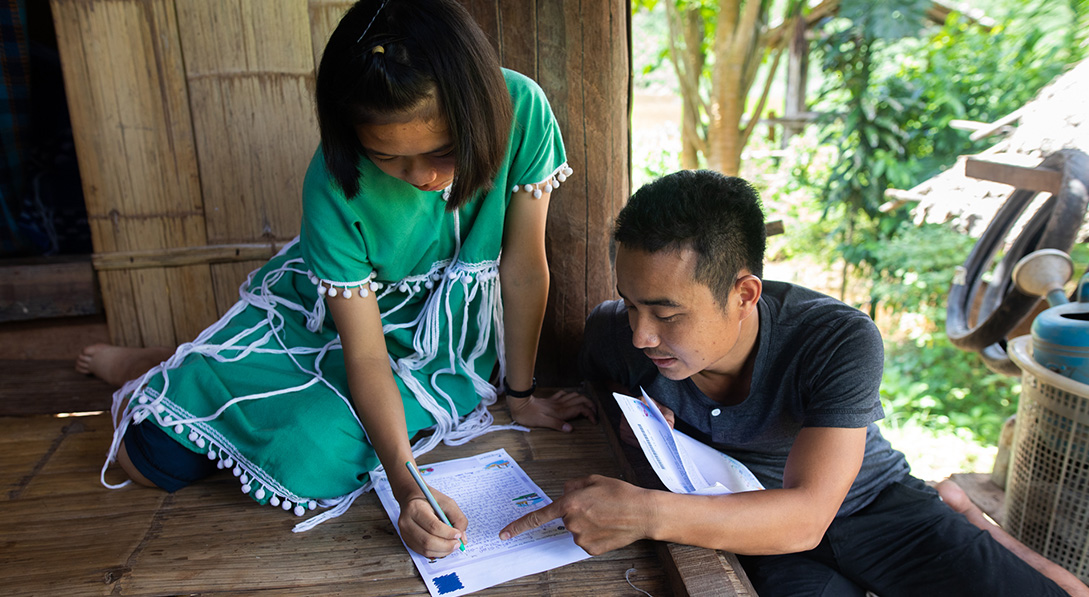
(785, 380)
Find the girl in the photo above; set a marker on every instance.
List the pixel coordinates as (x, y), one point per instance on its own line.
(390, 312)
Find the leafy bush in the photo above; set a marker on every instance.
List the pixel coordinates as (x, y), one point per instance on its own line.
(927, 379)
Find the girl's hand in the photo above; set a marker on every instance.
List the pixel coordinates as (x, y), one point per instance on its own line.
(424, 532)
(552, 412)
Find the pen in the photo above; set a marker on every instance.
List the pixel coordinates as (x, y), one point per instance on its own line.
(430, 498)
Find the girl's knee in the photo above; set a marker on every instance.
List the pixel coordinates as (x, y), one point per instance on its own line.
(130, 469)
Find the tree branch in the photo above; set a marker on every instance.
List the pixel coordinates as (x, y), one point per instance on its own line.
(777, 36)
(745, 134)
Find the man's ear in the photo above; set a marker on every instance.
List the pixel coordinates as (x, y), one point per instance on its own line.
(747, 291)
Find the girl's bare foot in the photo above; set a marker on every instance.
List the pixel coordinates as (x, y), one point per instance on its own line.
(957, 499)
(117, 364)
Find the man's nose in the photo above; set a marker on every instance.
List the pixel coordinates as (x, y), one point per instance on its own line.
(643, 335)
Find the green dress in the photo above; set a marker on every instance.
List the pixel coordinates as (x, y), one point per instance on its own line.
(264, 391)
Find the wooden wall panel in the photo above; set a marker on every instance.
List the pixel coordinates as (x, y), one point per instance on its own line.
(519, 35)
(226, 278)
(192, 302)
(250, 72)
(324, 16)
(130, 115)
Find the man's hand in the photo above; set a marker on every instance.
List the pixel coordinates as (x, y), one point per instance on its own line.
(602, 514)
(628, 436)
(424, 532)
(552, 412)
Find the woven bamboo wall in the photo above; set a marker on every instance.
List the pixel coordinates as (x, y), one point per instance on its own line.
(194, 124)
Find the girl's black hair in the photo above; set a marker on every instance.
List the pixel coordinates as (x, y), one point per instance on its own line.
(429, 49)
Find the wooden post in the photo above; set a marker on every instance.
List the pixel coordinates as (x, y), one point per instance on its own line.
(797, 71)
(579, 52)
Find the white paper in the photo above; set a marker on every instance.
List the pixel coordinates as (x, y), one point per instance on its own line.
(683, 464)
(492, 491)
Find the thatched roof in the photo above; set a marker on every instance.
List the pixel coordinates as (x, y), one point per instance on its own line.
(1057, 118)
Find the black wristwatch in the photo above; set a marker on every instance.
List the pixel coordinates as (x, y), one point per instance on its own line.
(524, 393)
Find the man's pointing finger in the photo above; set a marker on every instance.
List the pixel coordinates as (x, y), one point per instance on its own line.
(532, 520)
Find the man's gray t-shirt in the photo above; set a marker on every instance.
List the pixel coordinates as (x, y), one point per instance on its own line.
(818, 364)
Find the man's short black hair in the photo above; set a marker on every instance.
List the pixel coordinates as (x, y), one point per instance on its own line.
(719, 217)
(430, 49)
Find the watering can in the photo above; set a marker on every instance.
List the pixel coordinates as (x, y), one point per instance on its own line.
(1060, 334)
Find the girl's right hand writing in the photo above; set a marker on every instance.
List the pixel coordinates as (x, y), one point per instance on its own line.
(424, 532)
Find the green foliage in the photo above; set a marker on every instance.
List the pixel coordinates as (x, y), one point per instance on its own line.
(938, 386)
(964, 72)
(914, 269)
(927, 380)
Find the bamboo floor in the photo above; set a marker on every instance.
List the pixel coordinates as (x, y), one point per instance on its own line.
(63, 533)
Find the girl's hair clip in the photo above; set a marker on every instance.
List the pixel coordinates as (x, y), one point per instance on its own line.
(368, 28)
(378, 50)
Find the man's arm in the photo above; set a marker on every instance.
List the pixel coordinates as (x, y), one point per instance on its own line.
(605, 514)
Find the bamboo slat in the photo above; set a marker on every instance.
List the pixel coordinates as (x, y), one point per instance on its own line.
(250, 73)
(120, 305)
(130, 118)
(153, 313)
(192, 301)
(324, 16)
(226, 278)
(129, 260)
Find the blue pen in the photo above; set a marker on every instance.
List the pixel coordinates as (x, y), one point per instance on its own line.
(430, 498)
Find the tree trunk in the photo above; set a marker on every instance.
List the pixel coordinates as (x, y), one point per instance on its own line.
(737, 53)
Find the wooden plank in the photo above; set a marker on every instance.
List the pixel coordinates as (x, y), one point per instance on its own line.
(57, 339)
(984, 493)
(1031, 179)
(698, 571)
(49, 387)
(592, 110)
(173, 257)
(47, 287)
(518, 36)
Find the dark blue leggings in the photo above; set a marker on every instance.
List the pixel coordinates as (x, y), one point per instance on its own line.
(906, 542)
(164, 462)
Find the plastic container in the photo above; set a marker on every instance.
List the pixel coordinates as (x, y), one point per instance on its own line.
(1060, 336)
(1047, 491)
